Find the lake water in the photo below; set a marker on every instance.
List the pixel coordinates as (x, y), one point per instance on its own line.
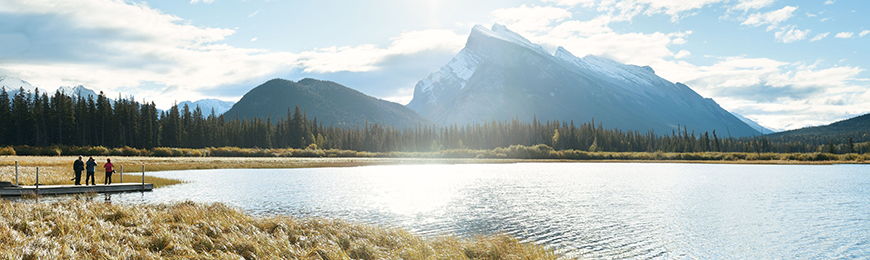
(593, 210)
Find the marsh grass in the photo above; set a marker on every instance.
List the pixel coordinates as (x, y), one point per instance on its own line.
(80, 228)
(56, 170)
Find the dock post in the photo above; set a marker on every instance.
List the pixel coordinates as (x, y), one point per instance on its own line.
(122, 174)
(16, 173)
(143, 177)
(37, 180)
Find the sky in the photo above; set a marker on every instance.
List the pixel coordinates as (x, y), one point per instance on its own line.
(783, 64)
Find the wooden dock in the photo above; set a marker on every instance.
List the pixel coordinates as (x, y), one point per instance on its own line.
(74, 189)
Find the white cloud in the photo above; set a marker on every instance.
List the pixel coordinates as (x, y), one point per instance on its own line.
(844, 35)
(625, 10)
(254, 13)
(791, 34)
(863, 33)
(103, 45)
(204, 1)
(254, 39)
(828, 2)
(745, 5)
(820, 37)
(772, 18)
(574, 28)
(585, 3)
(528, 19)
(682, 54)
(782, 95)
(675, 7)
(811, 15)
(367, 57)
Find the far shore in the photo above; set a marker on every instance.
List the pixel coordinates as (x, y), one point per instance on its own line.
(58, 169)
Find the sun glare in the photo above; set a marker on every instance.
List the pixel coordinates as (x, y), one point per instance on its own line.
(413, 189)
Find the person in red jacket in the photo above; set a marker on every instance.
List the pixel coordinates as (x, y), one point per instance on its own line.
(109, 170)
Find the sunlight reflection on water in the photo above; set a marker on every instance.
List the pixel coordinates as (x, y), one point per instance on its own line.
(598, 210)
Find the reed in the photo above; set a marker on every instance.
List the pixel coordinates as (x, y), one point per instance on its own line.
(80, 228)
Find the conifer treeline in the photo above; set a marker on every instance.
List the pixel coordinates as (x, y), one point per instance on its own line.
(38, 119)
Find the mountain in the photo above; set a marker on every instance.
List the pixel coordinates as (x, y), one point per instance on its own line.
(754, 125)
(857, 128)
(329, 102)
(12, 85)
(81, 91)
(207, 105)
(78, 91)
(500, 75)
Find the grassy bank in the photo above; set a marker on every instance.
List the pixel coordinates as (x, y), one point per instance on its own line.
(58, 169)
(82, 229)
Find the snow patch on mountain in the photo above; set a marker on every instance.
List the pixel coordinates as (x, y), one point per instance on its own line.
(635, 79)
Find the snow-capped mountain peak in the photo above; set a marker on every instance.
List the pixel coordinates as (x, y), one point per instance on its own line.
(503, 33)
(13, 84)
(500, 75)
(454, 76)
(78, 91)
(206, 105)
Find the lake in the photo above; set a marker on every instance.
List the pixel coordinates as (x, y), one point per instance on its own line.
(593, 210)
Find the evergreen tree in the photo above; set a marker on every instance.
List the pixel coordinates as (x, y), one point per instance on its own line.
(5, 118)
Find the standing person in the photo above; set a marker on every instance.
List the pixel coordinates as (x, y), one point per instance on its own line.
(90, 169)
(78, 167)
(109, 170)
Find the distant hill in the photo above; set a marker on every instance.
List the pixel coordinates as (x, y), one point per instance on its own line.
(329, 102)
(500, 75)
(857, 128)
(206, 105)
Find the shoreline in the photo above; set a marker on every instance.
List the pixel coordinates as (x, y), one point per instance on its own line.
(57, 170)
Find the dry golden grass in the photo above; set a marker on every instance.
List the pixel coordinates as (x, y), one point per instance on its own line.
(54, 170)
(82, 229)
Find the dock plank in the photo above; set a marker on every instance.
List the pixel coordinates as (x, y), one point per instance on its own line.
(74, 189)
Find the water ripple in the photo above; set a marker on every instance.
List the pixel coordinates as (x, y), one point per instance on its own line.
(587, 210)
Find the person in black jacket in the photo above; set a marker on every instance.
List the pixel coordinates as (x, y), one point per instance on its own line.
(90, 168)
(78, 167)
